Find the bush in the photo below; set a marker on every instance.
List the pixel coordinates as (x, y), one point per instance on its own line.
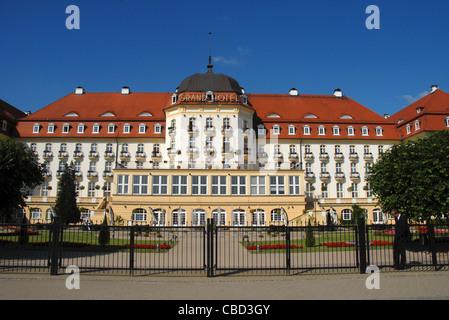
(310, 238)
(104, 236)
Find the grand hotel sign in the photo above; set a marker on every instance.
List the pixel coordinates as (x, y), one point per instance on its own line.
(209, 97)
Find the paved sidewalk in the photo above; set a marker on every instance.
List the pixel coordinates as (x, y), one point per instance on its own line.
(402, 285)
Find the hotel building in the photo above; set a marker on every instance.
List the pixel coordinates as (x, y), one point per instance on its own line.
(210, 150)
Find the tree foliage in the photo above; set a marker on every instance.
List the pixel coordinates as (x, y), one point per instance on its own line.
(19, 170)
(413, 177)
(65, 206)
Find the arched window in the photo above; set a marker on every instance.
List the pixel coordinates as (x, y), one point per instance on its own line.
(198, 217)
(258, 217)
(238, 218)
(158, 216)
(346, 214)
(219, 217)
(179, 217)
(139, 215)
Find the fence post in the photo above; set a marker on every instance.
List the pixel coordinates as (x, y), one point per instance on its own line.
(54, 260)
(287, 243)
(210, 248)
(362, 244)
(131, 249)
(431, 233)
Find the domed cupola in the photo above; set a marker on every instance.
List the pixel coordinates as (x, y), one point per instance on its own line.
(209, 81)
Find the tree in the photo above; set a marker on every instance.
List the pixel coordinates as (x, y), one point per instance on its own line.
(310, 237)
(413, 177)
(19, 170)
(65, 206)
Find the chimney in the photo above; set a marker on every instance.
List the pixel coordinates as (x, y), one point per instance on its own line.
(126, 90)
(79, 90)
(338, 93)
(433, 88)
(293, 92)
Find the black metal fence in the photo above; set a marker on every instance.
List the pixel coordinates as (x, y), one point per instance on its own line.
(216, 250)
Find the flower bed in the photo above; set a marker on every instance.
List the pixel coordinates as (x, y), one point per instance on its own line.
(336, 244)
(149, 246)
(273, 247)
(16, 230)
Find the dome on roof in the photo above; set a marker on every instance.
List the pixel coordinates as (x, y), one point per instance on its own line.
(210, 81)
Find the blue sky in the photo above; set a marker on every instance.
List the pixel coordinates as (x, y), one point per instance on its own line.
(268, 46)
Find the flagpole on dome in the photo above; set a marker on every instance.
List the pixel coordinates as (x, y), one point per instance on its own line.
(210, 66)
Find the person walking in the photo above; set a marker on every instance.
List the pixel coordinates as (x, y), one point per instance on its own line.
(401, 234)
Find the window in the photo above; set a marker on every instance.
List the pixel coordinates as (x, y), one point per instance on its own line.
(157, 129)
(417, 124)
(364, 131)
(309, 190)
(122, 184)
(107, 189)
(350, 131)
(258, 217)
(339, 190)
(159, 217)
(48, 147)
(142, 128)
(238, 185)
(111, 128)
(238, 217)
(346, 214)
(276, 129)
(257, 185)
(324, 193)
(369, 191)
(126, 128)
(81, 128)
(140, 184)
(139, 215)
(219, 185)
(160, 185)
(306, 130)
(276, 215)
(36, 214)
(179, 217)
(4, 125)
(44, 189)
(36, 128)
(219, 217)
(379, 131)
(96, 128)
(294, 184)
(291, 130)
(91, 189)
(179, 185)
(65, 128)
(355, 192)
(409, 128)
(198, 217)
(321, 130)
(261, 130)
(447, 122)
(51, 128)
(277, 185)
(336, 131)
(199, 185)
(380, 149)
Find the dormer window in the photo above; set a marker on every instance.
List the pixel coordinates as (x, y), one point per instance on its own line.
(447, 122)
(142, 128)
(291, 130)
(276, 129)
(65, 128)
(336, 131)
(418, 110)
(126, 128)
(81, 128)
(209, 96)
(261, 129)
(111, 128)
(36, 128)
(364, 131)
(244, 99)
(379, 131)
(174, 98)
(51, 128)
(409, 128)
(321, 130)
(417, 124)
(96, 128)
(306, 130)
(157, 128)
(350, 131)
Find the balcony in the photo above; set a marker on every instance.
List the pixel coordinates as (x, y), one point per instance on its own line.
(324, 156)
(140, 156)
(325, 176)
(226, 130)
(109, 155)
(156, 155)
(171, 131)
(309, 176)
(278, 156)
(293, 156)
(78, 175)
(78, 155)
(192, 129)
(339, 157)
(125, 155)
(368, 157)
(92, 174)
(209, 130)
(107, 174)
(63, 155)
(47, 175)
(93, 155)
(355, 176)
(308, 156)
(353, 156)
(47, 155)
(209, 151)
(227, 150)
(340, 176)
(172, 152)
(192, 151)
